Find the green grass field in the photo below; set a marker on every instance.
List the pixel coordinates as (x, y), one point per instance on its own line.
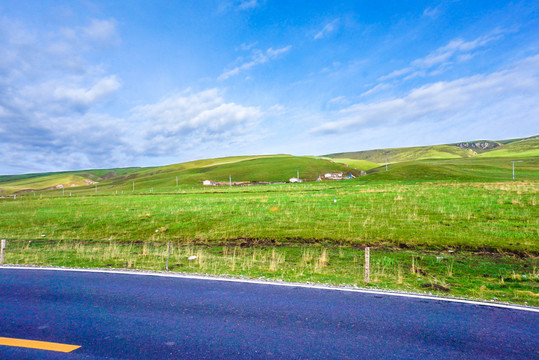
(439, 215)
(467, 211)
(476, 169)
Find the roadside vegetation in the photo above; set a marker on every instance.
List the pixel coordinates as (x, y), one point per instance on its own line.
(499, 277)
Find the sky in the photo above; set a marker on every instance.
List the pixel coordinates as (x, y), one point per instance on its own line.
(104, 84)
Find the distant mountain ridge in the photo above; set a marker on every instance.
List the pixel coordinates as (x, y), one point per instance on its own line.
(524, 147)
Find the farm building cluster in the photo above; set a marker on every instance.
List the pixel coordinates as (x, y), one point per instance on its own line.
(327, 176)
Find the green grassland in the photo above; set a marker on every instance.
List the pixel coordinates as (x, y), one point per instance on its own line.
(469, 203)
(476, 169)
(440, 215)
(455, 223)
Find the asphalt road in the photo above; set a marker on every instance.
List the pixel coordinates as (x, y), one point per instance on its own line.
(123, 316)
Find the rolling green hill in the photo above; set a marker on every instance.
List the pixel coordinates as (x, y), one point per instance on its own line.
(522, 148)
(460, 170)
(271, 168)
(94, 175)
(527, 147)
(46, 182)
(279, 168)
(406, 154)
(357, 164)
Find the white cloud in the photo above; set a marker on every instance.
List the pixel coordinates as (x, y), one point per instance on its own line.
(257, 58)
(62, 97)
(375, 89)
(247, 47)
(456, 46)
(499, 98)
(395, 74)
(327, 30)
(339, 100)
(248, 4)
(224, 6)
(432, 12)
(83, 98)
(181, 122)
(456, 51)
(49, 96)
(52, 98)
(102, 31)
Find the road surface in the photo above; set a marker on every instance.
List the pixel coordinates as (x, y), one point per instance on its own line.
(126, 316)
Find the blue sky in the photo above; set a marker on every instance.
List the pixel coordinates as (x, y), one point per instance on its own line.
(99, 84)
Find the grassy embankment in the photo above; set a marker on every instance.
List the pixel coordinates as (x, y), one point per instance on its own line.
(482, 276)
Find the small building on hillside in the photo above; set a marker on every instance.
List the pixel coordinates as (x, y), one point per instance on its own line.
(209, 183)
(295, 180)
(333, 176)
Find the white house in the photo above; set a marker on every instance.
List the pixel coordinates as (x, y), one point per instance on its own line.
(295, 180)
(209, 183)
(333, 176)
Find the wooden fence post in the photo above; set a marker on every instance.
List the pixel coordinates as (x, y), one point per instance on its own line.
(2, 247)
(367, 264)
(168, 254)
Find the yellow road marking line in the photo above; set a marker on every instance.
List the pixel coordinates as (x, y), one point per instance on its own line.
(34, 344)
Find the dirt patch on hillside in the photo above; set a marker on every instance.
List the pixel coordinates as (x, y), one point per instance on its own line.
(436, 287)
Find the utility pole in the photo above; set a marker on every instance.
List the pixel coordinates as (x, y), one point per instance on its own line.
(230, 180)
